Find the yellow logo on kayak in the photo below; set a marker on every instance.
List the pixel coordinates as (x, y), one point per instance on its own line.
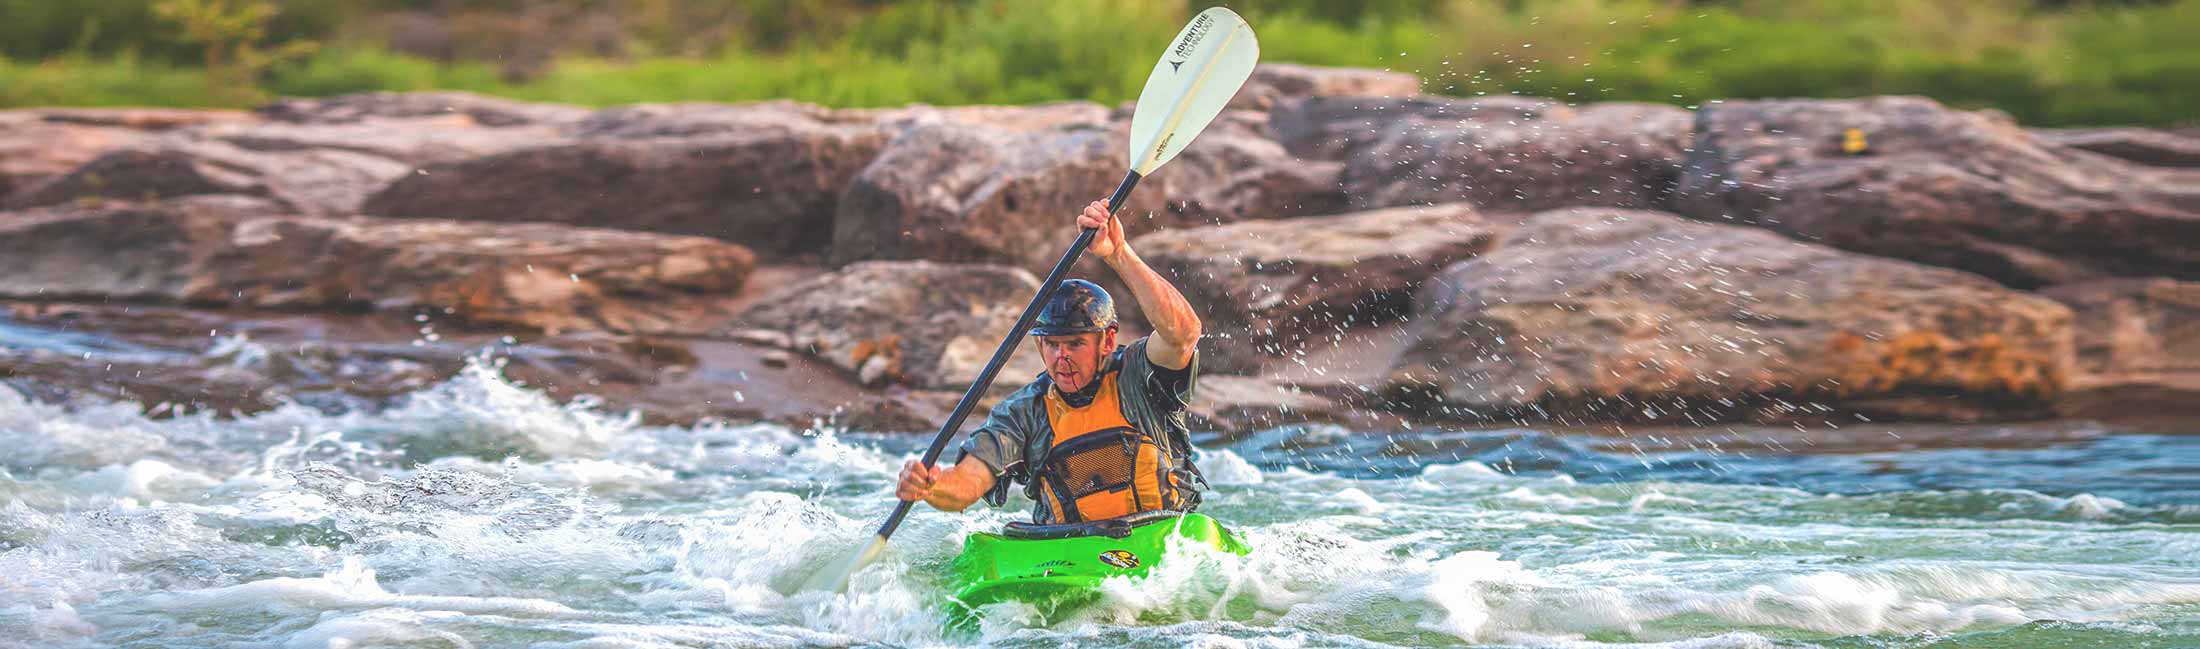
(1120, 559)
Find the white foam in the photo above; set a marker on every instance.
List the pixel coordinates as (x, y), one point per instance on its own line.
(39, 435)
(1223, 468)
(351, 586)
(56, 625)
(1535, 498)
(1466, 589)
(480, 412)
(1468, 471)
(2085, 506)
(582, 473)
(377, 627)
(1357, 500)
(146, 479)
(1644, 501)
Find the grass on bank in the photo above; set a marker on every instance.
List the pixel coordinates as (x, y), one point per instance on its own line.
(2112, 64)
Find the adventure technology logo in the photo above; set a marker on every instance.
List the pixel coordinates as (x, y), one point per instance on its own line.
(1192, 36)
(1120, 559)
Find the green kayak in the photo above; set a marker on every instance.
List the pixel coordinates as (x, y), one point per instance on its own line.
(1058, 568)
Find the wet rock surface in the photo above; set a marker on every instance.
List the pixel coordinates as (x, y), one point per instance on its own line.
(773, 192)
(1638, 315)
(1918, 181)
(2138, 343)
(176, 361)
(950, 192)
(481, 109)
(38, 145)
(697, 220)
(2141, 145)
(308, 181)
(1611, 155)
(923, 324)
(1267, 289)
(241, 252)
(1273, 83)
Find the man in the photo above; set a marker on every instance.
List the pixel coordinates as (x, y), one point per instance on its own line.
(1102, 434)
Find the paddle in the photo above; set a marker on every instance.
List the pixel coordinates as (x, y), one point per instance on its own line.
(1195, 78)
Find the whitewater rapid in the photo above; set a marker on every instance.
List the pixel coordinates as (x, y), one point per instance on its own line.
(480, 513)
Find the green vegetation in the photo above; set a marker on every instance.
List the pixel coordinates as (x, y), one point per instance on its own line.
(2049, 62)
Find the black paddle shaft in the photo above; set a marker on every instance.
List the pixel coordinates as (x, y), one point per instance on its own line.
(1008, 346)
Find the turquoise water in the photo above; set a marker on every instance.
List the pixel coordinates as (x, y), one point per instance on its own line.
(481, 514)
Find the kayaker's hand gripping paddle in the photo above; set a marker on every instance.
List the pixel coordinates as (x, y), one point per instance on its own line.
(1195, 78)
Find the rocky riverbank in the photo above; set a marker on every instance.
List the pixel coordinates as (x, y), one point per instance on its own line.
(1361, 254)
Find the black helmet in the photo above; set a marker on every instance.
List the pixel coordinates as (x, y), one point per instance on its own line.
(1077, 307)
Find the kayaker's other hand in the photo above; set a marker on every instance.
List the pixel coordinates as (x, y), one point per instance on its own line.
(916, 481)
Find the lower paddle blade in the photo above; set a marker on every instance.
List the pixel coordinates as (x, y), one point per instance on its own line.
(835, 578)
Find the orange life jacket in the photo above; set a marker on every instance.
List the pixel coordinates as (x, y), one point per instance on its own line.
(1100, 466)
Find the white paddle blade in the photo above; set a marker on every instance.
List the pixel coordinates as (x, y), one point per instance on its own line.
(1195, 78)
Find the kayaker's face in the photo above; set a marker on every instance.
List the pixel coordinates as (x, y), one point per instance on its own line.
(1073, 360)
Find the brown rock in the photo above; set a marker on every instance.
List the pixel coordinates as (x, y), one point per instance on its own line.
(162, 358)
(697, 119)
(1634, 315)
(1241, 404)
(1964, 190)
(1264, 289)
(483, 110)
(415, 141)
(1337, 128)
(640, 121)
(143, 119)
(2134, 325)
(1273, 83)
(231, 252)
(309, 181)
(2141, 145)
(169, 388)
(34, 148)
(1034, 117)
(949, 192)
(1605, 155)
(773, 191)
(912, 322)
(2138, 345)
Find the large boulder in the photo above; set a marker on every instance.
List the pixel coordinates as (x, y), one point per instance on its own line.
(307, 181)
(1607, 155)
(1264, 289)
(1275, 83)
(415, 141)
(949, 191)
(162, 358)
(1243, 404)
(36, 145)
(639, 121)
(2141, 145)
(1603, 314)
(915, 323)
(1917, 181)
(2138, 346)
(361, 107)
(774, 191)
(696, 119)
(237, 251)
(1337, 128)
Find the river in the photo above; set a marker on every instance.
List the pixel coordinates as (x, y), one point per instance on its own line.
(478, 513)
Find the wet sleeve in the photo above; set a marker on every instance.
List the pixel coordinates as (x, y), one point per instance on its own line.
(1172, 389)
(999, 443)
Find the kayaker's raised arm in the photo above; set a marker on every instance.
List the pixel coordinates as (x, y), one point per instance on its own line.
(949, 488)
(1175, 324)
